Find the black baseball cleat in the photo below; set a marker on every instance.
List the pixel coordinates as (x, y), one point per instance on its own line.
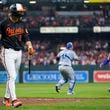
(57, 89)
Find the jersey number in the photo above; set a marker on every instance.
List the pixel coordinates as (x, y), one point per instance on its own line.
(64, 56)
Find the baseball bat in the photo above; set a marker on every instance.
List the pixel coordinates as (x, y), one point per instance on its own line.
(29, 63)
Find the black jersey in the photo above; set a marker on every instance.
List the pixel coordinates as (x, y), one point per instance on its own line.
(14, 35)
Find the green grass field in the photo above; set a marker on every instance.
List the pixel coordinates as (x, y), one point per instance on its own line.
(93, 96)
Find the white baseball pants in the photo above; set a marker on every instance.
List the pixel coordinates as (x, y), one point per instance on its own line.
(11, 60)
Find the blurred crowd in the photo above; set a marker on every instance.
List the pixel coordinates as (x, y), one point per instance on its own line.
(35, 20)
(91, 52)
(94, 19)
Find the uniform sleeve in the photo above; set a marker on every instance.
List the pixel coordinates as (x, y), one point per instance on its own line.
(25, 37)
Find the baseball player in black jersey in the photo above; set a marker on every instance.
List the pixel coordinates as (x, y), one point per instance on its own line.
(14, 35)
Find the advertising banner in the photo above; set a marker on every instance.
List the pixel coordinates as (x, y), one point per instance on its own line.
(51, 76)
(82, 76)
(59, 29)
(3, 77)
(101, 76)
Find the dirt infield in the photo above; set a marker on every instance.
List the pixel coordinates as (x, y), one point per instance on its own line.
(54, 100)
(48, 101)
(45, 101)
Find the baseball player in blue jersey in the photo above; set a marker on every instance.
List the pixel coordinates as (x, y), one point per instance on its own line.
(65, 58)
(14, 35)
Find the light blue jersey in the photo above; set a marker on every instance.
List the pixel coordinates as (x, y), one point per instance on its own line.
(66, 57)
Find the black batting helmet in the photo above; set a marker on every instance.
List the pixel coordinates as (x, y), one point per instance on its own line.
(17, 10)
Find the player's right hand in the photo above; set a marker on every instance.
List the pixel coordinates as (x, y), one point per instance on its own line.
(31, 51)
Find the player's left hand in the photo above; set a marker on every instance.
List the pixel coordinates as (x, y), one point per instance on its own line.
(31, 51)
